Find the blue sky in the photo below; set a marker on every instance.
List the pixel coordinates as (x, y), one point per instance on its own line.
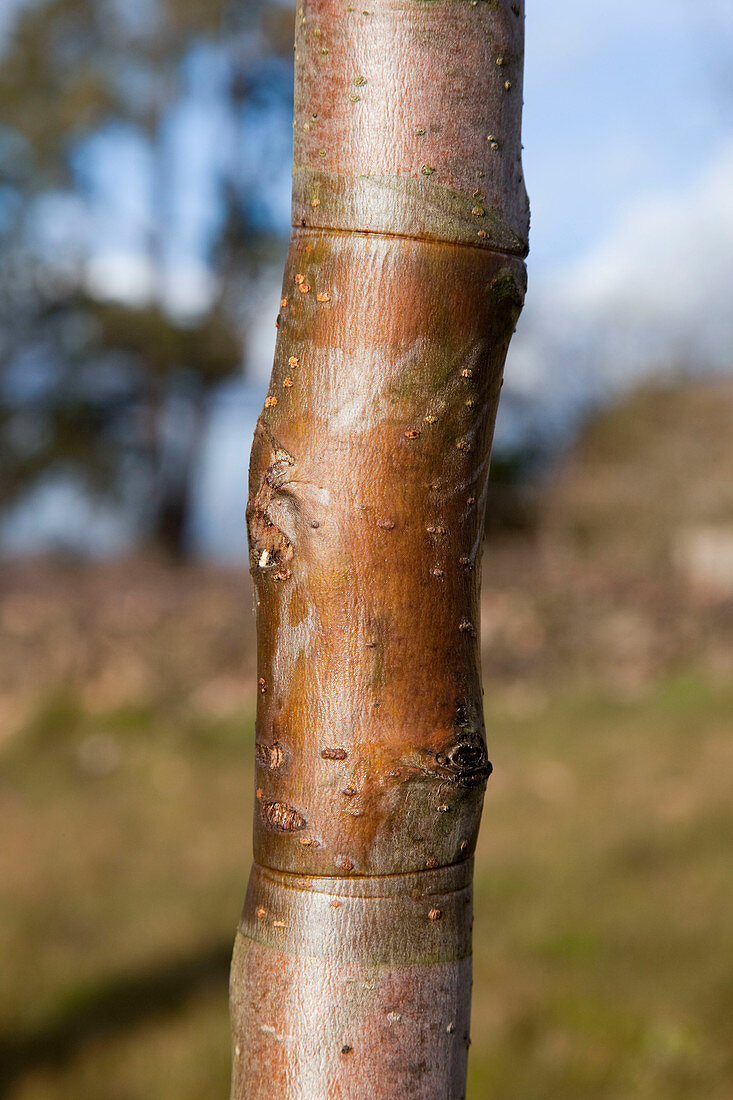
(621, 100)
(628, 135)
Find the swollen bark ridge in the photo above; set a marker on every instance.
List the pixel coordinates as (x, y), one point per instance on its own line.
(405, 277)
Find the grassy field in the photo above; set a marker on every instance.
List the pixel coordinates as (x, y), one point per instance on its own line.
(604, 893)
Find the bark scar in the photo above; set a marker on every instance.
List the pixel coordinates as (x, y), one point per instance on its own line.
(269, 756)
(270, 547)
(283, 818)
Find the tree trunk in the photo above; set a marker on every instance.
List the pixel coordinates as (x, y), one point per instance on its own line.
(352, 968)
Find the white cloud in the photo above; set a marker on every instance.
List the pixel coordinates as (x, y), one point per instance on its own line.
(667, 257)
(189, 289)
(662, 278)
(128, 277)
(653, 296)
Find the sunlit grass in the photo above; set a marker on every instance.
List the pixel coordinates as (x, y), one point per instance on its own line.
(603, 944)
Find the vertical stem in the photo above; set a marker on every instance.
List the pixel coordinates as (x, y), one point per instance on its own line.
(404, 281)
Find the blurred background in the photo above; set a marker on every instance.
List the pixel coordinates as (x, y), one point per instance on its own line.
(144, 210)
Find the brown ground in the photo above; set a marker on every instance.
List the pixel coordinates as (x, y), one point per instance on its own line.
(603, 938)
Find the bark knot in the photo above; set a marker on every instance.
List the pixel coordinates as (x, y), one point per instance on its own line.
(465, 762)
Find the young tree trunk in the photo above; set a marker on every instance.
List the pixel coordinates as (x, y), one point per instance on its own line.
(352, 968)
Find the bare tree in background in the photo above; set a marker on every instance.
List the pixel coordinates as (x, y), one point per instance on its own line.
(113, 394)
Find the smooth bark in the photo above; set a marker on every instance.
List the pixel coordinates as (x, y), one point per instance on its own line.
(351, 975)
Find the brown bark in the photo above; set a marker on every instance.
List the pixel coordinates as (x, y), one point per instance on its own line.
(351, 975)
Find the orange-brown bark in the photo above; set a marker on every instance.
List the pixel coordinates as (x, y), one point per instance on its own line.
(351, 975)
